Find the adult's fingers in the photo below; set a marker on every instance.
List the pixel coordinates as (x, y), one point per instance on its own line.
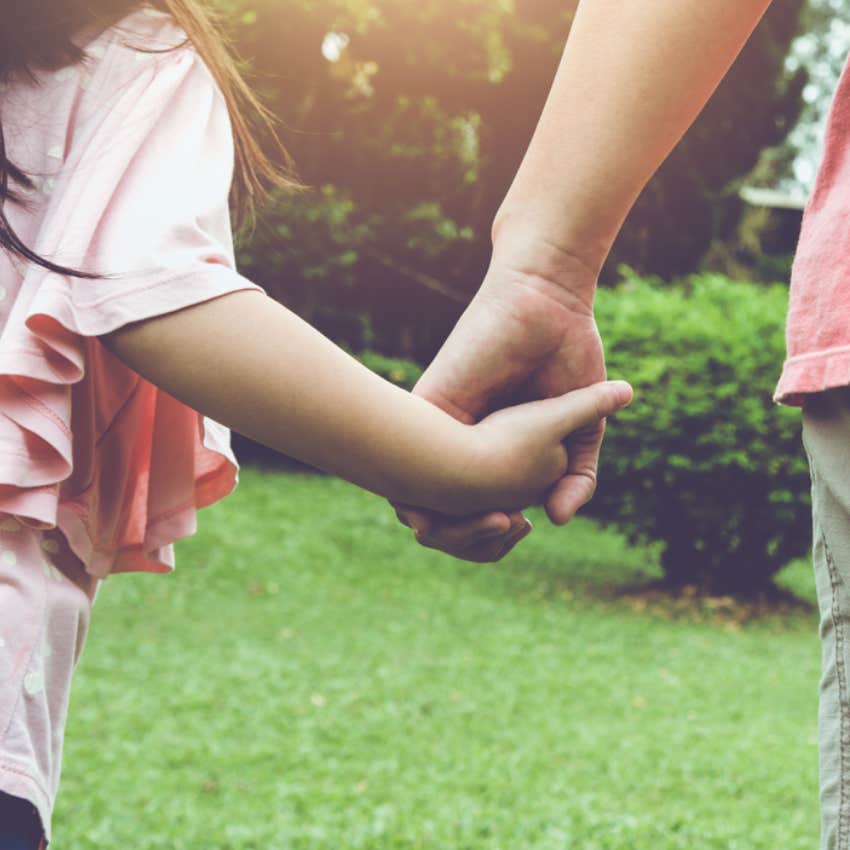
(483, 538)
(485, 548)
(425, 522)
(453, 536)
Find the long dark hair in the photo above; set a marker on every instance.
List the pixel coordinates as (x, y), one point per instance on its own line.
(37, 34)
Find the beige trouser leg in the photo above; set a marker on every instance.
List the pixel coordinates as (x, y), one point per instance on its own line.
(826, 437)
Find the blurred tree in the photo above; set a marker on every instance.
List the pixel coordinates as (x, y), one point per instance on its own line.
(693, 199)
(416, 115)
(821, 49)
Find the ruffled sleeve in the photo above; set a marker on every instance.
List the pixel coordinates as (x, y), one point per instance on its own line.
(86, 444)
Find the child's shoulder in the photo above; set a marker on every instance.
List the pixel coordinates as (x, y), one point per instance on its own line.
(144, 37)
(136, 48)
(145, 29)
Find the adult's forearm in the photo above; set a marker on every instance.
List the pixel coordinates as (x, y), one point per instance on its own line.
(249, 363)
(633, 77)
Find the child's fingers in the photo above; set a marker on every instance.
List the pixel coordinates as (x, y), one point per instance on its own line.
(587, 406)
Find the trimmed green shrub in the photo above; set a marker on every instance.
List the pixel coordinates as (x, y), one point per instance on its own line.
(703, 460)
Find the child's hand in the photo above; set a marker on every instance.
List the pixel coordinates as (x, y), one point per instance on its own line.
(518, 452)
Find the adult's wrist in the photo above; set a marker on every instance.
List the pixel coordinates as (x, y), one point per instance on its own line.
(516, 222)
(524, 246)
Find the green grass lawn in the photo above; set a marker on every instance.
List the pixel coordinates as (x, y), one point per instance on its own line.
(309, 678)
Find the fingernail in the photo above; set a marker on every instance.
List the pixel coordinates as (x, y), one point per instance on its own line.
(624, 391)
(514, 539)
(520, 531)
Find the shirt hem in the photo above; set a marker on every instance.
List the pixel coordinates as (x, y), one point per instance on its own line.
(19, 783)
(814, 372)
(35, 493)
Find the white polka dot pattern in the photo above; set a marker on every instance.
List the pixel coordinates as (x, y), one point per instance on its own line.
(33, 683)
(9, 557)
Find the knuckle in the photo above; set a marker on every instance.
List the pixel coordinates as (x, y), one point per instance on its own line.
(425, 540)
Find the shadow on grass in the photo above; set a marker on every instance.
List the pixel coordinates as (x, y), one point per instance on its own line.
(583, 563)
(690, 602)
(601, 567)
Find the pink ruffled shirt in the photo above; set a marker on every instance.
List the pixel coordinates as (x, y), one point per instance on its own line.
(132, 157)
(818, 326)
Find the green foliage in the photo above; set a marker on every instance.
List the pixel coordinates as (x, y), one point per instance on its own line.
(305, 252)
(693, 198)
(324, 257)
(403, 373)
(420, 124)
(703, 460)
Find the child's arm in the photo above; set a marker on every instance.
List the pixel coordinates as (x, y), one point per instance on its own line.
(249, 363)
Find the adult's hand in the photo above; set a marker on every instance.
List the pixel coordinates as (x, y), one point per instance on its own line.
(614, 113)
(529, 333)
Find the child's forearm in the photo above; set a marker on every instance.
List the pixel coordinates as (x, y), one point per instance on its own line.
(249, 363)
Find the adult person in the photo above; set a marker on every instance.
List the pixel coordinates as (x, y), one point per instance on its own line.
(632, 79)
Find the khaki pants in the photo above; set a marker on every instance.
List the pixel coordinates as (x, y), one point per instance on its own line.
(826, 437)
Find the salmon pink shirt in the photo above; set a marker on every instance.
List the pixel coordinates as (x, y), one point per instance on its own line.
(818, 327)
(132, 157)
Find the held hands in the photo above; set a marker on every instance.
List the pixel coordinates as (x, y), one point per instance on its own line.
(529, 330)
(520, 452)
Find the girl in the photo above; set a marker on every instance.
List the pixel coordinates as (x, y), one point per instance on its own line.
(126, 336)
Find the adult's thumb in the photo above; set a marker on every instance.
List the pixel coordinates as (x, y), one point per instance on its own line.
(587, 406)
